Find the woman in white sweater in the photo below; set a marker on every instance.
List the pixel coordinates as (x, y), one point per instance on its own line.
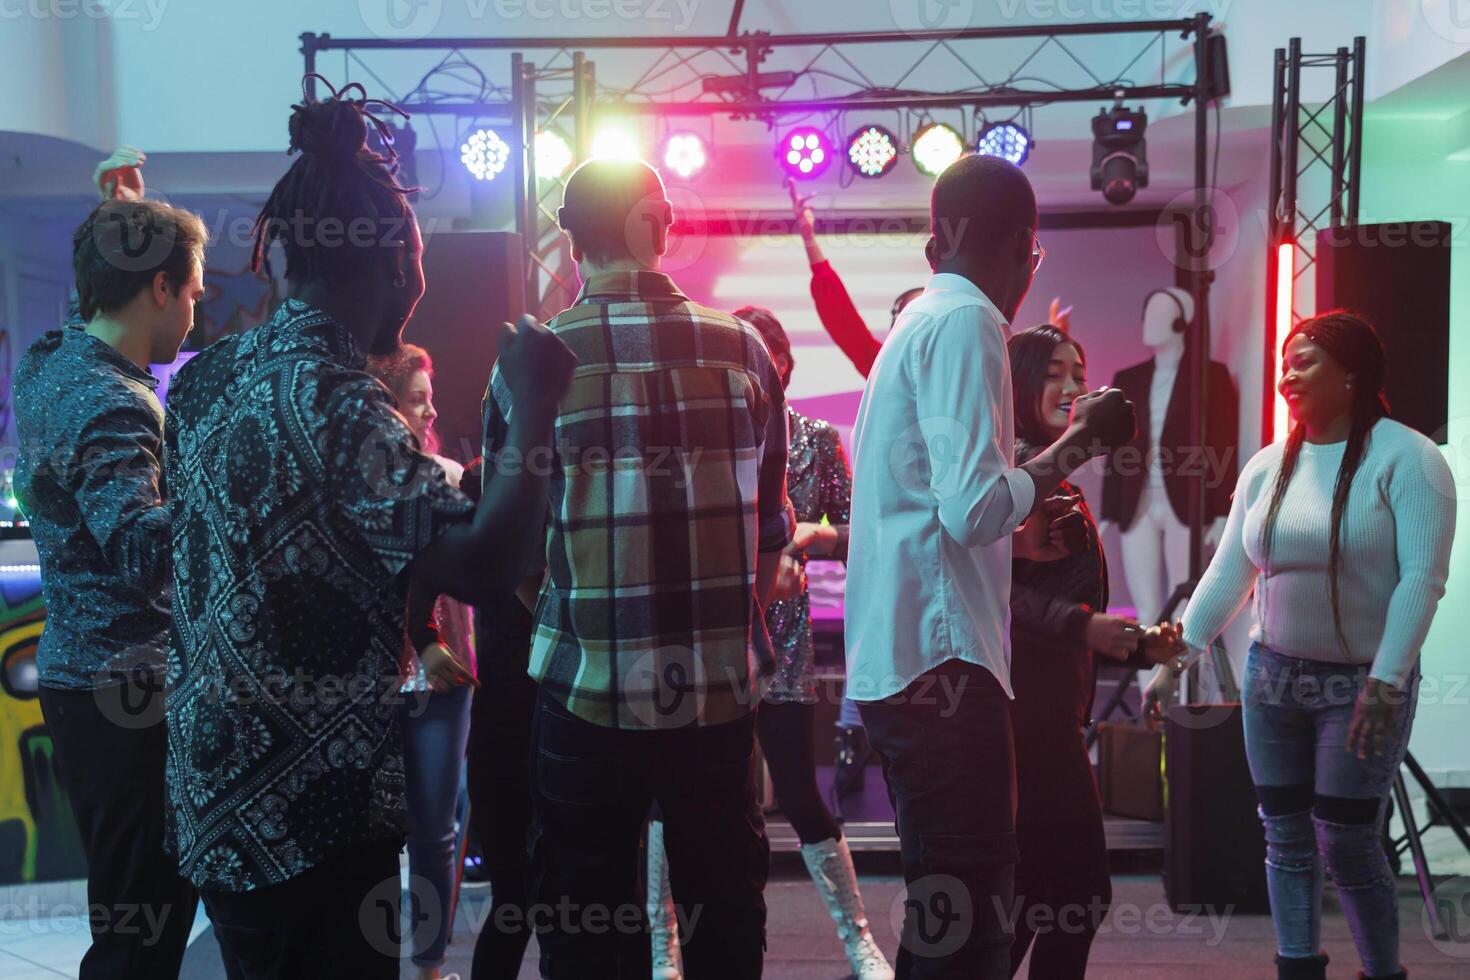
(1344, 532)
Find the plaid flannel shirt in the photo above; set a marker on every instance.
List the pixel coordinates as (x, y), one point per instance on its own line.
(668, 477)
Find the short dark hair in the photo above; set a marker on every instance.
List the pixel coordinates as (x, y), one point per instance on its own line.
(122, 245)
(768, 326)
(978, 204)
(609, 207)
(1030, 354)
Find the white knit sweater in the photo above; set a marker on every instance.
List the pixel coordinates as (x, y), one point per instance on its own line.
(1395, 546)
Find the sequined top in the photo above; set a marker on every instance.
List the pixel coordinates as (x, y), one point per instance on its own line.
(819, 483)
(89, 478)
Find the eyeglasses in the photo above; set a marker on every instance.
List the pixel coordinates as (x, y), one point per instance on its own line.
(1038, 254)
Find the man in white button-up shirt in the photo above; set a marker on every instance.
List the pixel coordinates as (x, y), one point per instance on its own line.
(936, 498)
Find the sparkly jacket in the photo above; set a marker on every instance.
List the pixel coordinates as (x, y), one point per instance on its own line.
(819, 483)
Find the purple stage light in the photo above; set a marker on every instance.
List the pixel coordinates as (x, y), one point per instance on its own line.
(685, 154)
(804, 152)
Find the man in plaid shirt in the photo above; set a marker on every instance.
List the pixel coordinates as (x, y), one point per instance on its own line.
(668, 514)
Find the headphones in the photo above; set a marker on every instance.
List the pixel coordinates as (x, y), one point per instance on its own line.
(1181, 322)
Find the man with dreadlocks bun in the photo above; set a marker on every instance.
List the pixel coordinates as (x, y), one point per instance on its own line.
(1344, 531)
(301, 507)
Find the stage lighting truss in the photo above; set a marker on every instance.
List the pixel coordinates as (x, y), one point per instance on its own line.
(936, 146)
(1008, 140)
(872, 151)
(685, 154)
(805, 152)
(553, 155)
(484, 154)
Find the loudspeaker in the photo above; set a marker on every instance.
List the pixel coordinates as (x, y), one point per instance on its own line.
(1214, 846)
(472, 287)
(1397, 275)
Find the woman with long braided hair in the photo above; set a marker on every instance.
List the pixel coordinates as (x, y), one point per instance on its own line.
(1344, 532)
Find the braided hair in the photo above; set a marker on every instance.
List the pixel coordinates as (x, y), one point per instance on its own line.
(340, 199)
(1350, 340)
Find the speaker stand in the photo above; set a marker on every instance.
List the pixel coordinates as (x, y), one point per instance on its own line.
(1412, 839)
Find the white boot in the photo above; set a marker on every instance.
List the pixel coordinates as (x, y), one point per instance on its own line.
(664, 925)
(830, 864)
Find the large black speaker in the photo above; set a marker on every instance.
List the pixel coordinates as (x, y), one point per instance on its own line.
(1397, 274)
(472, 288)
(1214, 847)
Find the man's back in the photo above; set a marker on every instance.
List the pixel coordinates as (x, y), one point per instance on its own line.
(298, 497)
(669, 479)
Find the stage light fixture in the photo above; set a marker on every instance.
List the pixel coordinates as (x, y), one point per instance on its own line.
(615, 143)
(936, 146)
(805, 152)
(1006, 140)
(685, 154)
(553, 154)
(1119, 153)
(872, 151)
(484, 154)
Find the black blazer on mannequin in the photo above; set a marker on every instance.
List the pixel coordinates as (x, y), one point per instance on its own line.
(1127, 472)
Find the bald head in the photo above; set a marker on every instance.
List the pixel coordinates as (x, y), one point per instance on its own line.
(616, 210)
(980, 205)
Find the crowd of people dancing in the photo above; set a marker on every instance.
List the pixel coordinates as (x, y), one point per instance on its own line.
(282, 628)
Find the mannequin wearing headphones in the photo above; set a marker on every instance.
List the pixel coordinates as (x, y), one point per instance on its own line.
(1145, 487)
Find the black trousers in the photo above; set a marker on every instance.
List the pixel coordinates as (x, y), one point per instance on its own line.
(785, 732)
(593, 788)
(338, 919)
(948, 758)
(498, 773)
(1062, 883)
(110, 745)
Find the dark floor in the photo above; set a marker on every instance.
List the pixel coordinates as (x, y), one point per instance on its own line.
(1141, 940)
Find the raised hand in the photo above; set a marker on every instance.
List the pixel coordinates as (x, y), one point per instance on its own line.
(805, 220)
(120, 176)
(536, 365)
(1058, 316)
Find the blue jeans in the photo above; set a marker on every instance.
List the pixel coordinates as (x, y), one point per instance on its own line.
(435, 727)
(847, 715)
(1321, 805)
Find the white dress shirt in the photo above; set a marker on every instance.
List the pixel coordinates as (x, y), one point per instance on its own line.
(935, 497)
(1161, 391)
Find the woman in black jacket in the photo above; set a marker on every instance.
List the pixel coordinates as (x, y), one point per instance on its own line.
(1058, 621)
